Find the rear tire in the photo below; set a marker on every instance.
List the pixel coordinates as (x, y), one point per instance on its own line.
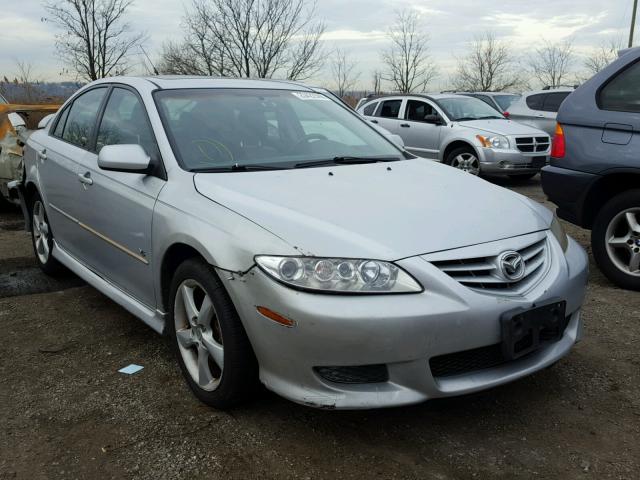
(208, 339)
(521, 177)
(615, 240)
(42, 238)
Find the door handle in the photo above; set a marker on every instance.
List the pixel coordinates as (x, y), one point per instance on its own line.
(374, 121)
(42, 154)
(85, 179)
(405, 125)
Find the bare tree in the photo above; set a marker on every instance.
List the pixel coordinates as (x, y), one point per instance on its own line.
(248, 38)
(488, 67)
(602, 56)
(407, 60)
(551, 63)
(344, 74)
(96, 41)
(377, 82)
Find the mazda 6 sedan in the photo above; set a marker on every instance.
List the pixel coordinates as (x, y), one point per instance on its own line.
(276, 237)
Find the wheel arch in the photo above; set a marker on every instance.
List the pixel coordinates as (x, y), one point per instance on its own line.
(455, 144)
(604, 189)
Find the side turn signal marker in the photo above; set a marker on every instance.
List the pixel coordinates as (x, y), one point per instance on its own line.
(276, 317)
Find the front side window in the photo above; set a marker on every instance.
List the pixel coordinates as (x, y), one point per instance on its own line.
(460, 109)
(417, 110)
(553, 101)
(622, 94)
(125, 122)
(219, 128)
(390, 108)
(82, 117)
(61, 122)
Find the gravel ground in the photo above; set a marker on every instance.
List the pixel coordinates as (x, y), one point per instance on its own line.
(65, 412)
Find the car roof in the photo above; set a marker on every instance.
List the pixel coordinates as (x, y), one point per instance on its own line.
(549, 90)
(391, 96)
(185, 81)
(490, 94)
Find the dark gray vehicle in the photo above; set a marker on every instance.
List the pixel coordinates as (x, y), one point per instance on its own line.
(594, 176)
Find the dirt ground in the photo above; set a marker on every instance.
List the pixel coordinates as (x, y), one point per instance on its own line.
(66, 413)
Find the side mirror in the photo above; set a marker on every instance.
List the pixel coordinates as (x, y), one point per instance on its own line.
(124, 158)
(433, 119)
(46, 121)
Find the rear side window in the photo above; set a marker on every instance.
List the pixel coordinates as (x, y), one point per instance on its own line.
(82, 117)
(553, 101)
(390, 108)
(534, 102)
(622, 94)
(369, 109)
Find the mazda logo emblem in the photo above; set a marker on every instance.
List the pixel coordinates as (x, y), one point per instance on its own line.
(512, 266)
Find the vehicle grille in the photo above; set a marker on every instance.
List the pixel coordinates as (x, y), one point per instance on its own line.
(483, 274)
(533, 144)
(354, 374)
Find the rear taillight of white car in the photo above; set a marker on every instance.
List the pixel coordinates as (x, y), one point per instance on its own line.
(558, 146)
(506, 114)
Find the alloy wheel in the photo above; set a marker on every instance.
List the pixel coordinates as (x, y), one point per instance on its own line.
(466, 162)
(623, 241)
(198, 335)
(40, 232)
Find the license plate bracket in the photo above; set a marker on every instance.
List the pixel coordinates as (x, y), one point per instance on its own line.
(538, 162)
(526, 330)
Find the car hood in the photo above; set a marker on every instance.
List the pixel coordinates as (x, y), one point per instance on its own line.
(385, 211)
(501, 127)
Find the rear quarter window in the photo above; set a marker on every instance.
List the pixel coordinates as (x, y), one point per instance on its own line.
(622, 93)
(534, 102)
(369, 109)
(553, 101)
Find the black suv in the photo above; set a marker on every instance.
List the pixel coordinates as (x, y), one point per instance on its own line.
(594, 175)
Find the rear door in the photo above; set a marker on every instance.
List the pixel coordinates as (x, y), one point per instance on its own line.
(58, 160)
(387, 115)
(420, 138)
(118, 207)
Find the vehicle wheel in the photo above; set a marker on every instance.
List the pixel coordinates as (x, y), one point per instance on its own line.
(466, 159)
(210, 343)
(522, 176)
(615, 240)
(42, 238)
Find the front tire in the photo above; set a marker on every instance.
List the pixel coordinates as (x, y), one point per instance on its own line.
(465, 159)
(42, 238)
(615, 240)
(209, 341)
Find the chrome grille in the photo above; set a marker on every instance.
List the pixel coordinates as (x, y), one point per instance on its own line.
(484, 274)
(533, 144)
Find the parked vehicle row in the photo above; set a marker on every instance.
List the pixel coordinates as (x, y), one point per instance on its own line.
(276, 236)
(461, 131)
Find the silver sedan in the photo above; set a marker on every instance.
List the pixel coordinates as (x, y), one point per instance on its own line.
(277, 237)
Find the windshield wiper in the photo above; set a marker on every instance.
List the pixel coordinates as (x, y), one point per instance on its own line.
(237, 167)
(345, 160)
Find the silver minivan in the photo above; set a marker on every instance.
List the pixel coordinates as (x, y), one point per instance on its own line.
(463, 132)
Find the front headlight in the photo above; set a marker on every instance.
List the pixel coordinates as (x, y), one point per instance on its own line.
(558, 232)
(339, 275)
(498, 142)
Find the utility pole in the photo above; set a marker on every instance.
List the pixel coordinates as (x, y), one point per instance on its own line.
(633, 22)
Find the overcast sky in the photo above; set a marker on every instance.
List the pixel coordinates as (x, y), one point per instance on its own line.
(357, 26)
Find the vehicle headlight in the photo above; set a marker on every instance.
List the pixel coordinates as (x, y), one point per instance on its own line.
(558, 232)
(339, 275)
(498, 142)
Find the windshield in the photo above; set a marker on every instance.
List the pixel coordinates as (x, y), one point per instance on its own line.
(461, 109)
(221, 128)
(505, 101)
